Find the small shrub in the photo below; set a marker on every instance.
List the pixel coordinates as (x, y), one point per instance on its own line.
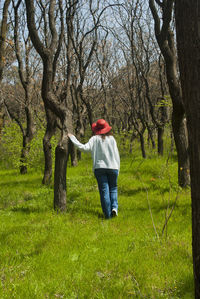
(11, 146)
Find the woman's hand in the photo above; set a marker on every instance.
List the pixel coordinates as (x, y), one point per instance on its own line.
(69, 134)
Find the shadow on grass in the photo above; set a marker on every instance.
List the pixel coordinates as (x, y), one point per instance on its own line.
(71, 208)
(38, 245)
(13, 231)
(85, 210)
(28, 210)
(132, 192)
(160, 207)
(128, 192)
(76, 204)
(186, 288)
(21, 181)
(37, 250)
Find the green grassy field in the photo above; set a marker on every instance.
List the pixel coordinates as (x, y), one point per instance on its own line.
(145, 252)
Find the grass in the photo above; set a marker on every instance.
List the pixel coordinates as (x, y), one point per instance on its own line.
(81, 255)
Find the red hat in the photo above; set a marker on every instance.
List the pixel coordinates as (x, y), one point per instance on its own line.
(101, 127)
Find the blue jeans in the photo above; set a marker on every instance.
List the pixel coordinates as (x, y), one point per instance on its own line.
(107, 183)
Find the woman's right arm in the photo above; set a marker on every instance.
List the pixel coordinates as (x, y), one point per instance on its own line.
(87, 147)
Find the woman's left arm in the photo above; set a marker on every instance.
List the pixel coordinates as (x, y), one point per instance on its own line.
(116, 151)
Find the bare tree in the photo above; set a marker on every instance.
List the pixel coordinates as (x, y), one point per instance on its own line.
(55, 103)
(87, 39)
(165, 38)
(188, 44)
(3, 33)
(140, 69)
(26, 75)
(103, 58)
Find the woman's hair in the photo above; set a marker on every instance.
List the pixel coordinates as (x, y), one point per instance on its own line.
(103, 136)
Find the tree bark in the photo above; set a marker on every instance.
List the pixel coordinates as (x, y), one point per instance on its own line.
(24, 153)
(49, 133)
(187, 15)
(142, 145)
(160, 140)
(27, 138)
(180, 137)
(161, 128)
(3, 32)
(73, 154)
(60, 188)
(61, 158)
(47, 155)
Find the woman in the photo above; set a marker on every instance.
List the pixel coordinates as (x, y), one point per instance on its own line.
(106, 164)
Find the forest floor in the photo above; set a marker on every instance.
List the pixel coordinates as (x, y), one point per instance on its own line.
(145, 252)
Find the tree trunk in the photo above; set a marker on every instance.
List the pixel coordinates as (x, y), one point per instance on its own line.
(150, 136)
(188, 43)
(1, 121)
(161, 129)
(160, 141)
(47, 155)
(142, 145)
(181, 141)
(3, 33)
(90, 113)
(61, 157)
(73, 154)
(194, 140)
(178, 122)
(133, 137)
(50, 131)
(24, 152)
(79, 155)
(27, 138)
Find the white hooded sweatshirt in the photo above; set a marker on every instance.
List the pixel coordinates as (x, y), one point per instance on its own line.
(104, 152)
